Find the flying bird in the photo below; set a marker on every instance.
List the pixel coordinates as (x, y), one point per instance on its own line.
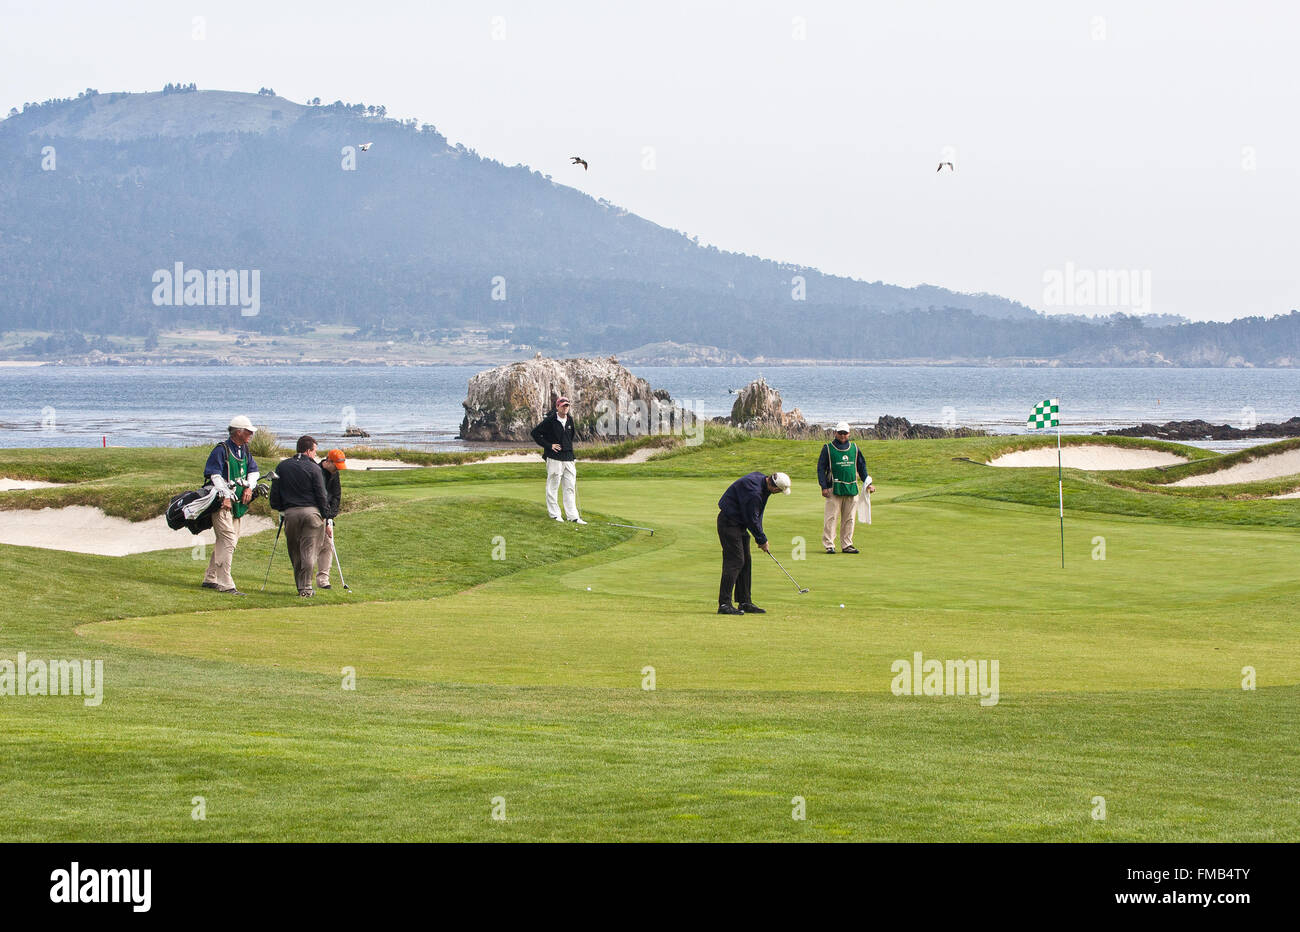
(576, 160)
(365, 146)
(942, 164)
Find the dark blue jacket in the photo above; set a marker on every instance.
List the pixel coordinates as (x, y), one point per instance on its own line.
(744, 501)
(216, 464)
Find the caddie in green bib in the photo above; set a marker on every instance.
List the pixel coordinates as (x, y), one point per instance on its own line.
(237, 468)
(844, 469)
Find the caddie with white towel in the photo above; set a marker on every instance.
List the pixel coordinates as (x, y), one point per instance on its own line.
(842, 474)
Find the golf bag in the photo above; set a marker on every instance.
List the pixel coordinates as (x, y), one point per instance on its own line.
(193, 510)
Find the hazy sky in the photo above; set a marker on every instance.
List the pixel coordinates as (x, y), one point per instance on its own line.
(1159, 137)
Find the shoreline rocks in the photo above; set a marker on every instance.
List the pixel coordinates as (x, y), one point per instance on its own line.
(1204, 430)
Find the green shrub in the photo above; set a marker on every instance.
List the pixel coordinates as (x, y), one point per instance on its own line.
(265, 444)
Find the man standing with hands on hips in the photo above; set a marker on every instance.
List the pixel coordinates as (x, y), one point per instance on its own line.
(555, 436)
(839, 470)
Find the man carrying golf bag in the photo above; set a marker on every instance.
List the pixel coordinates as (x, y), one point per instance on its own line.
(298, 493)
(740, 514)
(233, 466)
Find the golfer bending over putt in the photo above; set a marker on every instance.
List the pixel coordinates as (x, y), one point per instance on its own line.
(740, 513)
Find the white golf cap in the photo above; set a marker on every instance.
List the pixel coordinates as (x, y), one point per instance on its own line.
(842, 426)
(241, 423)
(781, 481)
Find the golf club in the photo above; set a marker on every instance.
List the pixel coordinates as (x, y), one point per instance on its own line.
(342, 581)
(788, 576)
(635, 527)
(278, 529)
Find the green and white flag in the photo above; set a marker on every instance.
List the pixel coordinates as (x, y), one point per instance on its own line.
(1045, 414)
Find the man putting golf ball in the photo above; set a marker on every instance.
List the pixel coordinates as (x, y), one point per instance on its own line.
(740, 514)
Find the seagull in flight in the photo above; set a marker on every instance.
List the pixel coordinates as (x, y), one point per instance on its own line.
(577, 160)
(942, 164)
(365, 146)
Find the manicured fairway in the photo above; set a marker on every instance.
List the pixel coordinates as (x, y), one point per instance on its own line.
(522, 677)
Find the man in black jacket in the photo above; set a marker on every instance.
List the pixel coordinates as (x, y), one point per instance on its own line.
(740, 514)
(298, 493)
(555, 436)
(334, 461)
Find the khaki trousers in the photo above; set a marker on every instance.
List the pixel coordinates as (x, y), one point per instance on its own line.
(223, 552)
(303, 530)
(841, 505)
(324, 559)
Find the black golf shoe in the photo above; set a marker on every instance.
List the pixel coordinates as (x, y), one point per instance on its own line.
(728, 609)
(749, 608)
(830, 549)
(850, 549)
(208, 585)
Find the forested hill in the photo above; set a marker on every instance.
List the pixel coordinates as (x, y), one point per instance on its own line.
(100, 193)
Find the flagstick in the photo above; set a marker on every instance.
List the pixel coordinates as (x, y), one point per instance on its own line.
(1060, 491)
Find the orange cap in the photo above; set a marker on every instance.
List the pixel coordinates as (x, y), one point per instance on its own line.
(336, 457)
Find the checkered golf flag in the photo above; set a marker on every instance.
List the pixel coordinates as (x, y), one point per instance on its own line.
(1045, 413)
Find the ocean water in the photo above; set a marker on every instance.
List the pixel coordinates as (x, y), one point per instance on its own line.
(421, 406)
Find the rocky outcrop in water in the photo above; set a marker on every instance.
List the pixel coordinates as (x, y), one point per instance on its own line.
(1204, 430)
(608, 401)
(758, 407)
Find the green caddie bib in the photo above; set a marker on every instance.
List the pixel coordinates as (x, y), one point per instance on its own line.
(844, 469)
(236, 469)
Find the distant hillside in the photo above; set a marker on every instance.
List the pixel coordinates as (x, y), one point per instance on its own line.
(420, 234)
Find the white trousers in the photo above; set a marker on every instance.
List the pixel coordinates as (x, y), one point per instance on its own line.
(557, 474)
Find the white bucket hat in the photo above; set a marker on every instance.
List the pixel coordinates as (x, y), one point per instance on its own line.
(241, 423)
(781, 481)
(842, 426)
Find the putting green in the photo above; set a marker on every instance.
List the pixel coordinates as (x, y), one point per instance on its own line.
(925, 582)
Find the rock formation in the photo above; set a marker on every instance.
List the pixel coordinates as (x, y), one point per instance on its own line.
(758, 407)
(1204, 430)
(608, 401)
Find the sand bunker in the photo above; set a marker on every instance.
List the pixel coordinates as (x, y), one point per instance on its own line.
(1264, 467)
(1295, 494)
(1094, 456)
(20, 485)
(82, 529)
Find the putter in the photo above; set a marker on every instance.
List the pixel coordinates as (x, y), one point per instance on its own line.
(787, 574)
(635, 527)
(278, 528)
(342, 582)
